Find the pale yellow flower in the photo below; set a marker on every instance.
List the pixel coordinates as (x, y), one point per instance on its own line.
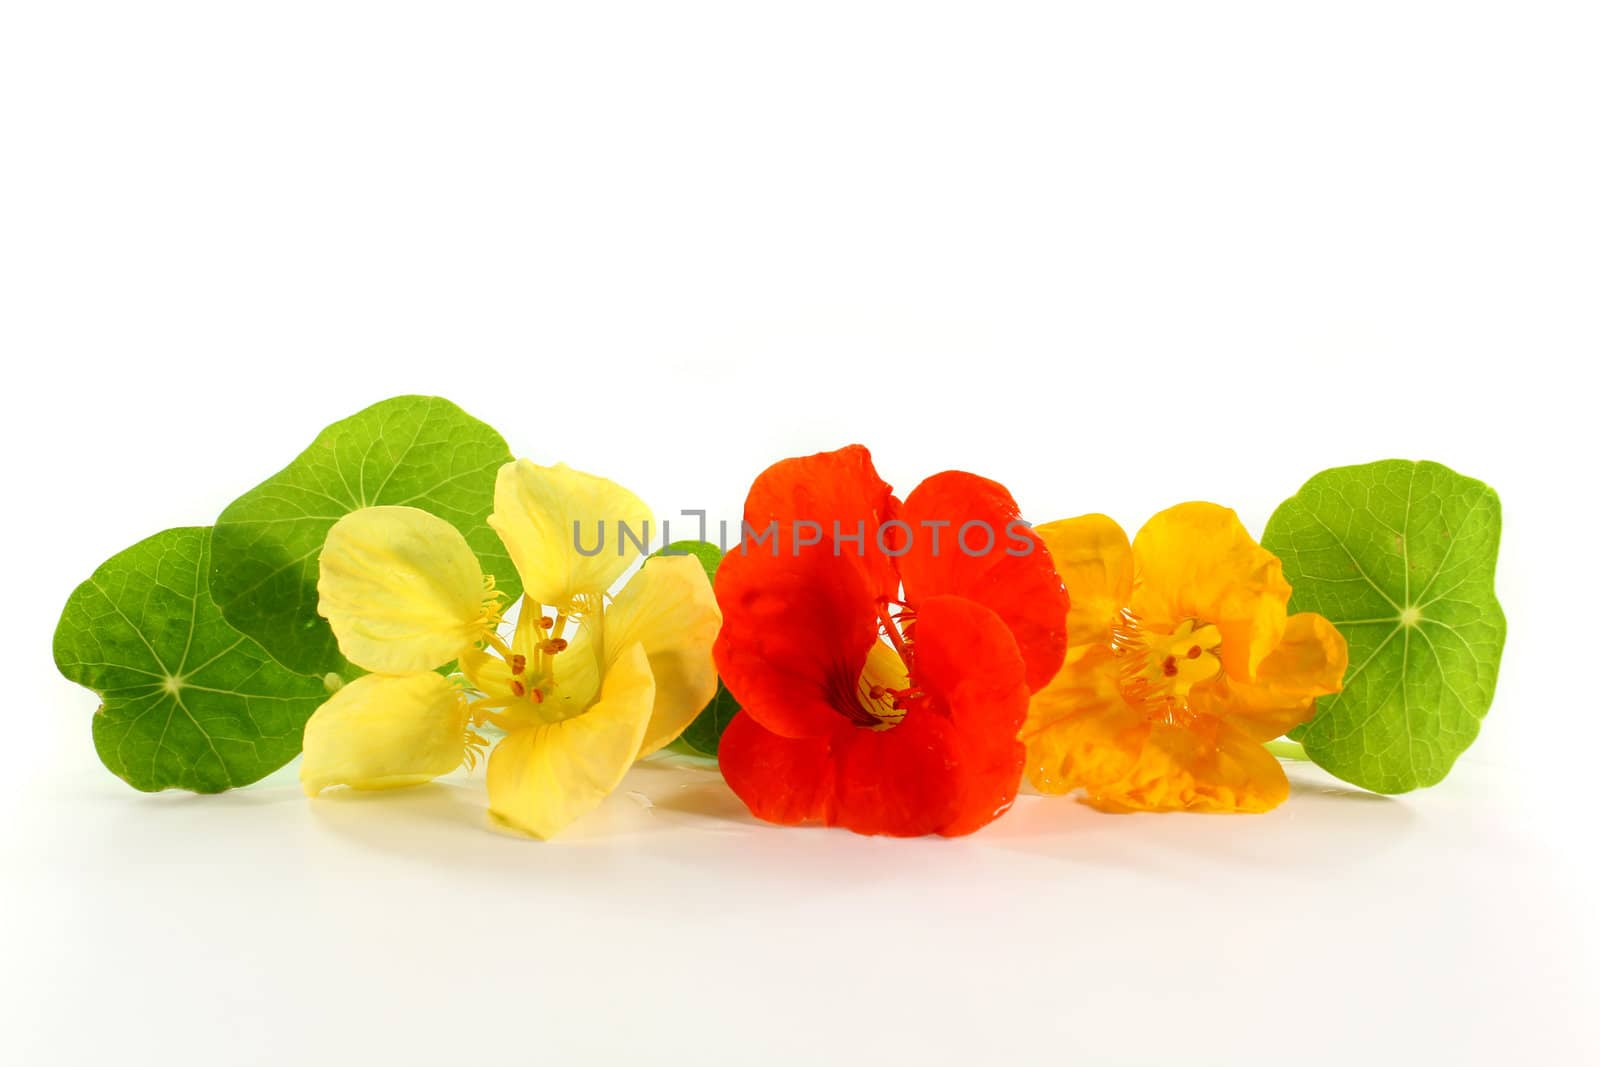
(587, 683)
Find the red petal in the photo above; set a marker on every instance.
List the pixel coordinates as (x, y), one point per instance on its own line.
(903, 781)
(966, 660)
(1024, 590)
(781, 779)
(795, 634)
(951, 766)
(900, 781)
(828, 488)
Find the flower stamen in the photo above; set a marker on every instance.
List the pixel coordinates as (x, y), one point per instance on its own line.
(498, 643)
(1158, 669)
(896, 626)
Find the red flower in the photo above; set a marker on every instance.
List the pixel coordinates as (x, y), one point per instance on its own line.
(883, 653)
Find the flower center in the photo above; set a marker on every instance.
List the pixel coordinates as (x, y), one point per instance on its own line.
(884, 705)
(878, 698)
(1158, 669)
(519, 680)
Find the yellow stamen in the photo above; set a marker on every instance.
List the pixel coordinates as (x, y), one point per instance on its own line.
(498, 643)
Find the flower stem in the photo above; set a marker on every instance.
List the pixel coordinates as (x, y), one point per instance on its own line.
(1283, 748)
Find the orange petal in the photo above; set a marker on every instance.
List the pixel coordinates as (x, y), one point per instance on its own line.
(1095, 562)
(1208, 767)
(1308, 663)
(1080, 732)
(1197, 561)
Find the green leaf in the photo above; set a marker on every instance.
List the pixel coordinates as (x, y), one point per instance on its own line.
(1400, 556)
(188, 701)
(419, 451)
(705, 733)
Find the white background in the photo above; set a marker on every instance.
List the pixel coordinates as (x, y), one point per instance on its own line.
(1115, 255)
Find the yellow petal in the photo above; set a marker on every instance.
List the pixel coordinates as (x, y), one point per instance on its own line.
(1197, 561)
(545, 514)
(401, 589)
(1080, 732)
(384, 730)
(669, 609)
(544, 777)
(1206, 767)
(1308, 663)
(1095, 562)
(886, 670)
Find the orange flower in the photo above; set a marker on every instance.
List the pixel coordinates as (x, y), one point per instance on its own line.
(1182, 660)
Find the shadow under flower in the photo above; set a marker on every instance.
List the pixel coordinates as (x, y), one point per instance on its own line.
(1324, 826)
(672, 835)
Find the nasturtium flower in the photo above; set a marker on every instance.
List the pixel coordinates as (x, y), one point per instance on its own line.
(587, 683)
(883, 663)
(1182, 662)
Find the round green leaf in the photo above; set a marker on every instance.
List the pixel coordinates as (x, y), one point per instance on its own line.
(419, 451)
(1400, 556)
(188, 701)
